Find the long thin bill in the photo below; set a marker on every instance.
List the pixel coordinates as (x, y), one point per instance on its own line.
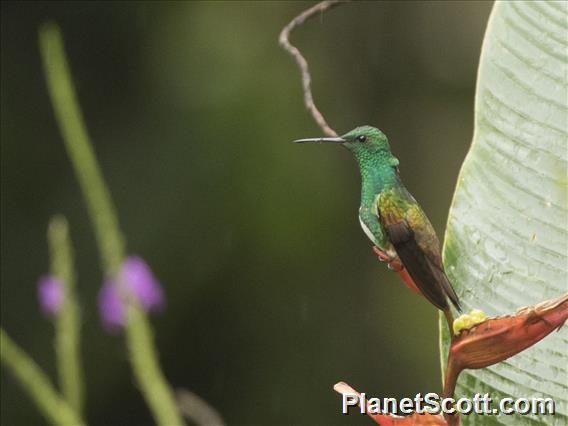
(320, 140)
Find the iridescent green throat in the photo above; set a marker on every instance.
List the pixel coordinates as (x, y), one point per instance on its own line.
(378, 172)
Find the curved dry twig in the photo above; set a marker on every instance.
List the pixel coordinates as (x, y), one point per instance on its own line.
(196, 409)
(303, 64)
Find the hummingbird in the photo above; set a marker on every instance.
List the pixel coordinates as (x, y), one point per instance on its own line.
(393, 220)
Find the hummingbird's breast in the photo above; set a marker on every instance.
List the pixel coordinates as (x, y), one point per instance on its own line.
(368, 232)
(369, 220)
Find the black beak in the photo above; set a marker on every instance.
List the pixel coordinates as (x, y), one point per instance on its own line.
(321, 140)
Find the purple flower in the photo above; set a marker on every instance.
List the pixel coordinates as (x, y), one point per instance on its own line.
(135, 277)
(50, 294)
(138, 278)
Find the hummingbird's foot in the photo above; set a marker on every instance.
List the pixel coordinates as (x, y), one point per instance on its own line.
(396, 265)
(393, 262)
(383, 256)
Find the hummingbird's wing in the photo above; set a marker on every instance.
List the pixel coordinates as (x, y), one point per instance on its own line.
(416, 244)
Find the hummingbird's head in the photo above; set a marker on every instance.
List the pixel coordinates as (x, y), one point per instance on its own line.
(365, 139)
(368, 144)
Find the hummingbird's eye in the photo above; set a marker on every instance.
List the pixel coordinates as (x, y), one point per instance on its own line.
(362, 138)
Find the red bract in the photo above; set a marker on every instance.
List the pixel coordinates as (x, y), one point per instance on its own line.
(391, 419)
(499, 338)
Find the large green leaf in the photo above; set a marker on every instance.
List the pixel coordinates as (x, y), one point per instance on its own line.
(506, 242)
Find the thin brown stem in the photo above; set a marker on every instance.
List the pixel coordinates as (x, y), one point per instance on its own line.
(196, 409)
(450, 320)
(452, 373)
(451, 378)
(303, 64)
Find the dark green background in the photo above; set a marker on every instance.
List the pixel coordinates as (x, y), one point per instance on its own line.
(273, 291)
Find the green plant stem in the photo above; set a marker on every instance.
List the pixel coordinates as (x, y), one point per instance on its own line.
(71, 125)
(146, 369)
(148, 374)
(67, 325)
(37, 384)
(441, 345)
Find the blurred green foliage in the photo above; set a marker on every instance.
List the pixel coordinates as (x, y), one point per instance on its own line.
(273, 291)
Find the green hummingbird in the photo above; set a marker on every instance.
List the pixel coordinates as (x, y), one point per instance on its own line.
(393, 220)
